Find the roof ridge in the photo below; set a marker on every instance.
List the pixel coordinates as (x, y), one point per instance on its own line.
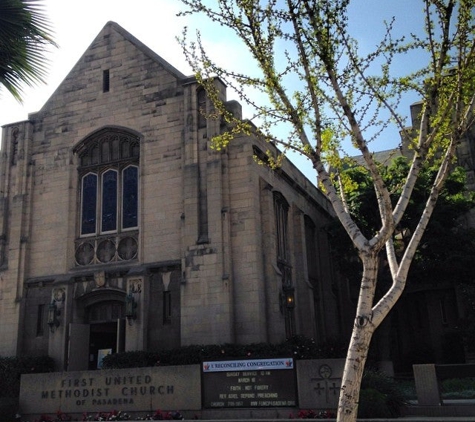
(145, 49)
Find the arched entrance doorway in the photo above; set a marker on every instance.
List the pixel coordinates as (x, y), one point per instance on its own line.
(99, 330)
(106, 330)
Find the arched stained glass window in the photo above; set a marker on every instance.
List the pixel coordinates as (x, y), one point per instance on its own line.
(89, 204)
(109, 174)
(109, 201)
(129, 197)
(281, 209)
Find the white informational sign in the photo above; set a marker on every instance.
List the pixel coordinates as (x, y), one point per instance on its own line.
(248, 365)
(101, 353)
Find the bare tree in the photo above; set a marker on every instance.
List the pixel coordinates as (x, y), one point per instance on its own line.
(323, 90)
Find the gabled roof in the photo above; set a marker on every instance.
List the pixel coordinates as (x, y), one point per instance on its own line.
(133, 40)
(146, 50)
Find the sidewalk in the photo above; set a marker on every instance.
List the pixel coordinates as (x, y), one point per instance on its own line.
(402, 419)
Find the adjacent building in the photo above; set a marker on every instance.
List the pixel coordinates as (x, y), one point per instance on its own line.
(435, 311)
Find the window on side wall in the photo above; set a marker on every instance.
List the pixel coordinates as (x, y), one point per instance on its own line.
(281, 209)
(287, 298)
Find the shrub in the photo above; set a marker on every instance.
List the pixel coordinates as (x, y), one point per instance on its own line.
(299, 347)
(373, 404)
(11, 369)
(380, 397)
(454, 386)
(8, 408)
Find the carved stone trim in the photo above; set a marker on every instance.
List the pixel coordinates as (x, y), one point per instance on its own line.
(106, 249)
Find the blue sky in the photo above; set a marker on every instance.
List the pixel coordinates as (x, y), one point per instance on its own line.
(154, 22)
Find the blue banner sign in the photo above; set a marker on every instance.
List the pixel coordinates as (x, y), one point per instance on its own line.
(252, 364)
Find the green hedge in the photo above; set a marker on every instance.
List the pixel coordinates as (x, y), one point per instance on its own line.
(11, 369)
(299, 347)
(380, 396)
(8, 409)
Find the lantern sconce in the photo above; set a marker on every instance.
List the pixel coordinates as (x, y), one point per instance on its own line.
(289, 297)
(130, 308)
(53, 314)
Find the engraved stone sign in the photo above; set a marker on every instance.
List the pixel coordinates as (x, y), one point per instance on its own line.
(319, 383)
(129, 390)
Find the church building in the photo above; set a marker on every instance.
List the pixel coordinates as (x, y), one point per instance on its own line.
(121, 229)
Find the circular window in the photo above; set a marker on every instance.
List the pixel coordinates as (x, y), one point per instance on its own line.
(106, 251)
(127, 248)
(84, 253)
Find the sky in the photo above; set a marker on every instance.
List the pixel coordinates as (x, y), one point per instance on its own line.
(156, 24)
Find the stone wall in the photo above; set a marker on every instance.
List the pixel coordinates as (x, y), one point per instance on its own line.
(141, 391)
(138, 390)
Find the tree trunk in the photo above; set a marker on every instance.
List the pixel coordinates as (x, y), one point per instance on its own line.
(363, 330)
(353, 372)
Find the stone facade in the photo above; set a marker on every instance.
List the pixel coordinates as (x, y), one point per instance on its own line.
(121, 229)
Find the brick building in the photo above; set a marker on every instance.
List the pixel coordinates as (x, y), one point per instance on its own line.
(120, 229)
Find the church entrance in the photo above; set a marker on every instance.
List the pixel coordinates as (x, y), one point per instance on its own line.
(107, 330)
(101, 335)
(102, 342)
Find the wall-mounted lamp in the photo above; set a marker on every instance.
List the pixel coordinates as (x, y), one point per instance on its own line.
(289, 296)
(53, 313)
(130, 308)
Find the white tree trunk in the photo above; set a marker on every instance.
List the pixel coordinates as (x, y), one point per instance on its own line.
(363, 330)
(353, 372)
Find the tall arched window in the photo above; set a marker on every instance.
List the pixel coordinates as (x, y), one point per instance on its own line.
(201, 99)
(109, 188)
(311, 250)
(89, 203)
(281, 209)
